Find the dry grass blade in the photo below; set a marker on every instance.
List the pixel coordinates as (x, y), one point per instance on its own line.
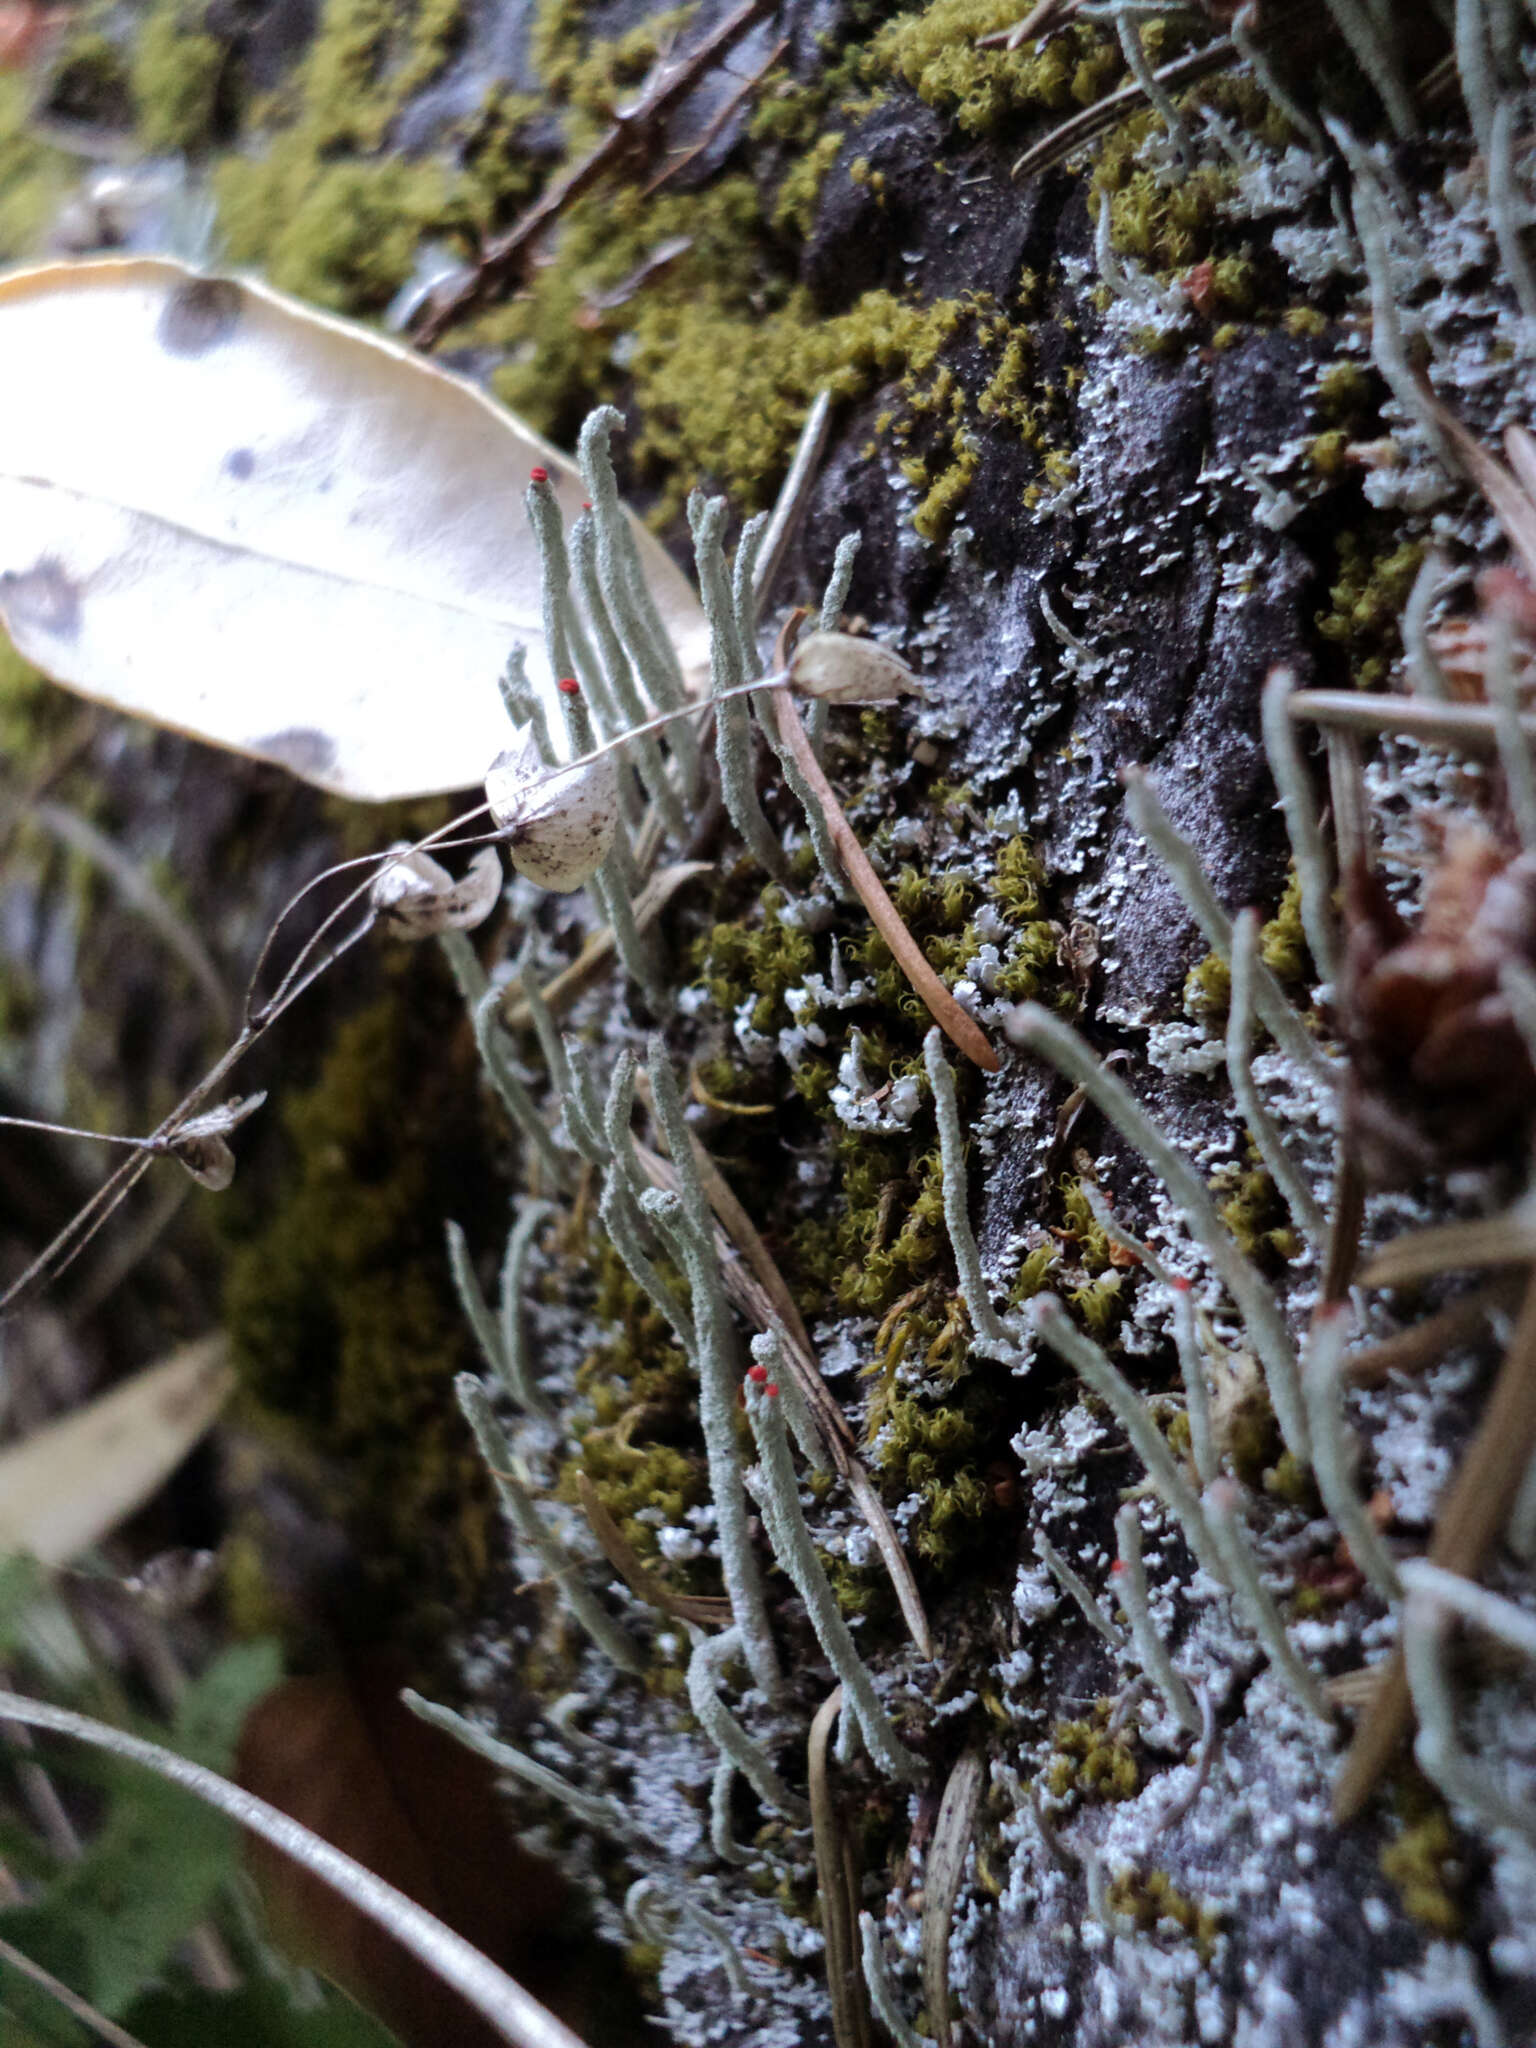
(961, 1029)
(947, 1853)
(708, 1613)
(759, 1290)
(70, 1483)
(837, 1883)
(1472, 1517)
(514, 2014)
(99, 2025)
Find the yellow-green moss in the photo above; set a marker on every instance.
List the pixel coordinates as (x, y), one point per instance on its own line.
(33, 177)
(1306, 323)
(1207, 994)
(175, 78)
(1374, 575)
(1167, 226)
(1422, 1862)
(794, 210)
(1152, 1901)
(1088, 1760)
(328, 218)
(1251, 1207)
(934, 50)
(1346, 391)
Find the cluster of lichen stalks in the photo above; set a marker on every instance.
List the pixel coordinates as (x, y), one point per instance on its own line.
(665, 1218)
(661, 1220)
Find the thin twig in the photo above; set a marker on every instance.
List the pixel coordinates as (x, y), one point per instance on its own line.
(1083, 127)
(736, 101)
(506, 256)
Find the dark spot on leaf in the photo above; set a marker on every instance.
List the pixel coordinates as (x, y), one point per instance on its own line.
(42, 598)
(302, 748)
(199, 315)
(239, 463)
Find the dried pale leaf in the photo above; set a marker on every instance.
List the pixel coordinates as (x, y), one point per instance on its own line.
(70, 1483)
(417, 897)
(559, 822)
(845, 669)
(270, 528)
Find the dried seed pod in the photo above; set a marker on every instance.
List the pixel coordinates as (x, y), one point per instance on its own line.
(558, 823)
(1440, 1074)
(202, 1147)
(846, 670)
(417, 898)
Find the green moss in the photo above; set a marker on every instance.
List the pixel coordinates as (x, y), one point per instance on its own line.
(1374, 574)
(795, 208)
(326, 216)
(1306, 323)
(765, 960)
(338, 1304)
(1088, 1760)
(934, 50)
(1423, 1863)
(175, 79)
(1328, 453)
(1251, 1207)
(33, 177)
(1152, 1901)
(1346, 392)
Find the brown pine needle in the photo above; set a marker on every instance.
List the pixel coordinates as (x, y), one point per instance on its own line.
(962, 1030)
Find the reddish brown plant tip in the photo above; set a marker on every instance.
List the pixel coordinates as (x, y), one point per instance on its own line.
(538, 476)
(568, 686)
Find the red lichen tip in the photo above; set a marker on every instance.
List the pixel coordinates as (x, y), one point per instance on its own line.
(771, 1389)
(757, 1374)
(1117, 1566)
(568, 687)
(586, 504)
(538, 476)
(1179, 1284)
